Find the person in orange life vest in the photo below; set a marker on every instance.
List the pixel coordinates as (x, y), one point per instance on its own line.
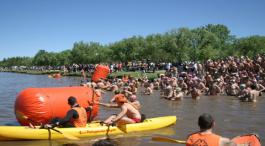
(129, 114)
(75, 117)
(205, 136)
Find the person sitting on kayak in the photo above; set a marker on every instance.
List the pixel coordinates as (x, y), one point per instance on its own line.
(75, 117)
(129, 114)
(205, 136)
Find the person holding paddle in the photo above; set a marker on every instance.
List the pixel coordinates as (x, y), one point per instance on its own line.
(75, 117)
(206, 136)
(129, 114)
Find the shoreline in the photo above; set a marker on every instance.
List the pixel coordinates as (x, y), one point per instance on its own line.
(136, 74)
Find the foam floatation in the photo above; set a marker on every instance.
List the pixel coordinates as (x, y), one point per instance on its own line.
(101, 72)
(57, 76)
(42, 104)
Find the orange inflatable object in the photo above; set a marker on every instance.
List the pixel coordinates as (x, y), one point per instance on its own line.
(40, 105)
(101, 71)
(58, 75)
(250, 140)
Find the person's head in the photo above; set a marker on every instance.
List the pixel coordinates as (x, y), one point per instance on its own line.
(205, 121)
(120, 99)
(104, 142)
(117, 92)
(242, 86)
(253, 87)
(180, 79)
(72, 101)
(132, 98)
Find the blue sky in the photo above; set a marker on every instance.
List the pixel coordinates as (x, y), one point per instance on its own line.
(26, 26)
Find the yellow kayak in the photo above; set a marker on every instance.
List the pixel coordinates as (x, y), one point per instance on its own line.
(92, 129)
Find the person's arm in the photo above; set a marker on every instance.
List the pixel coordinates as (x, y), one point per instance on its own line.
(121, 114)
(218, 89)
(226, 142)
(70, 114)
(130, 93)
(108, 105)
(262, 88)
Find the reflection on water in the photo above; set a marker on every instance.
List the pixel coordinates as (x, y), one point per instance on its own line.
(232, 117)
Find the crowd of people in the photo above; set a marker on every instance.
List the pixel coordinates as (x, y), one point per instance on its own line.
(240, 77)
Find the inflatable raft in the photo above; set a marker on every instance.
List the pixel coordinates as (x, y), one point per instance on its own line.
(43, 104)
(92, 129)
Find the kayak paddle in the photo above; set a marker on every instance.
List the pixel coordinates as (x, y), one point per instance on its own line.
(66, 135)
(166, 139)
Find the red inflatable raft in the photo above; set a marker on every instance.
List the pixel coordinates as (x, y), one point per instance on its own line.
(101, 71)
(42, 104)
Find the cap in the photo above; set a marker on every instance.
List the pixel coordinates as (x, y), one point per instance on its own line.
(120, 98)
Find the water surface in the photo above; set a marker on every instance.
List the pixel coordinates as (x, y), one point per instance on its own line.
(232, 117)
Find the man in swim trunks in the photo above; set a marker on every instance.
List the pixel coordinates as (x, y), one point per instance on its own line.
(129, 114)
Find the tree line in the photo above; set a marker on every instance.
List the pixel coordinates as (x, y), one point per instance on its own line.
(212, 41)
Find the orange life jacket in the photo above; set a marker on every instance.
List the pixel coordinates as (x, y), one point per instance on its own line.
(203, 139)
(251, 140)
(82, 120)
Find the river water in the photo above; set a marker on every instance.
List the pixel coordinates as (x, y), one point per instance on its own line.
(231, 116)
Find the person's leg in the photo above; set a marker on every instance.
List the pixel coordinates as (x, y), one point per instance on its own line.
(110, 118)
(125, 120)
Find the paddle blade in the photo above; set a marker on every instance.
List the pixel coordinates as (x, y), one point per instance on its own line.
(165, 139)
(66, 135)
(122, 128)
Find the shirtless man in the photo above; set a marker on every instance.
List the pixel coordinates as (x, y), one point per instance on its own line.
(182, 85)
(232, 88)
(254, 93)
(156, 84)
(195, 93)
(214, 89)
(201, 86)
(243, 93)
(129, 114)
(148, 90)
(177, 94)
(168, 91)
